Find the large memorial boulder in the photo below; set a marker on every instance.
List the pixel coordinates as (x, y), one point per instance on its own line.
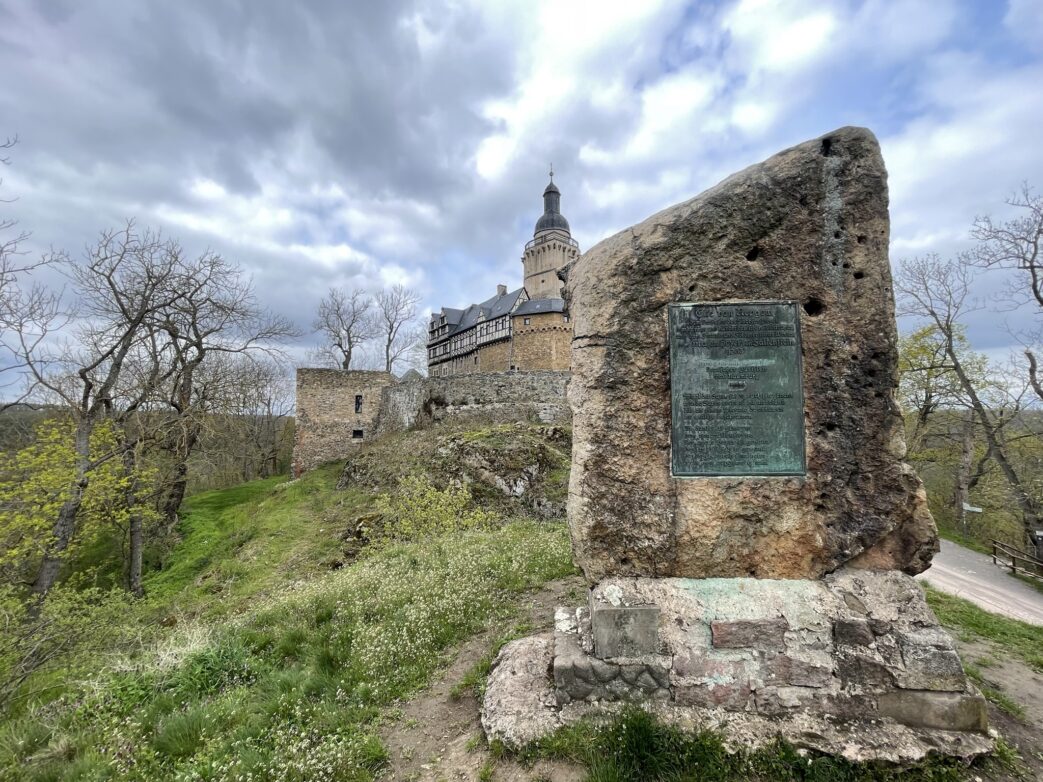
(806, 230)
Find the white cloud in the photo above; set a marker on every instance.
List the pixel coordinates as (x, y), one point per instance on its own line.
(780, 35)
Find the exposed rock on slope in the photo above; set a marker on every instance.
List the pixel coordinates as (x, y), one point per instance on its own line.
(516, 466)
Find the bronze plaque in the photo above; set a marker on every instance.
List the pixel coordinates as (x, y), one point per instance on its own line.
(737, 399)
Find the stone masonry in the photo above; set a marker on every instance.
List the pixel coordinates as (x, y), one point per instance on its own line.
(853, 665)
(327, 424)
(856, 644)
(337, 410)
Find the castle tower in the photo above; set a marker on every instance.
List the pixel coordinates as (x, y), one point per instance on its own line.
(551, 247)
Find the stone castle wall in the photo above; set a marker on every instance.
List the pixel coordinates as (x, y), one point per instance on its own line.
(498, 396)
(327, 426)
(337, 409)
(544, 344)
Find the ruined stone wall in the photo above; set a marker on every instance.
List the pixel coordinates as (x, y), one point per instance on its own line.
(545, 343)
(327, 422)
(328, 425)
(498, 396)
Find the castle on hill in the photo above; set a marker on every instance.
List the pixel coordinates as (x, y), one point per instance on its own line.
(525, 329)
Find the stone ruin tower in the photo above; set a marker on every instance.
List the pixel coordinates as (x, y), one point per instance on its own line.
(738, 500)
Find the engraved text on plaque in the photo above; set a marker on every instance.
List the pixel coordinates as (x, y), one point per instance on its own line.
(737, 405)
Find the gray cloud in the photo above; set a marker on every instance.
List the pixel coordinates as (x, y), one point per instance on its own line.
(325, 142)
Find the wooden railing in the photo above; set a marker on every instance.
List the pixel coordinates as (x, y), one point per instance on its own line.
(1008, 556)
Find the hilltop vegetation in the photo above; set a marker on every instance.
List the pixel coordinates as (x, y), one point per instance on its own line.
(294, 618)
(264, 653)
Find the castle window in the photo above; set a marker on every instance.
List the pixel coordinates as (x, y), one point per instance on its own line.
(565, 318)
(476, 359)
(356, 434)
(358, 403)
(527, 321)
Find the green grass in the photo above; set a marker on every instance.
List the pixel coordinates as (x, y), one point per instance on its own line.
(294, 688)
(1016, 638)
(637, 748)
(246, 541)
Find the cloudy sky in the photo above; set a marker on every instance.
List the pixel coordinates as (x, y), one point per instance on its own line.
(360, 143)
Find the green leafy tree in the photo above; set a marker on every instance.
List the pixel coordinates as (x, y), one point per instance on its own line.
(37, 480)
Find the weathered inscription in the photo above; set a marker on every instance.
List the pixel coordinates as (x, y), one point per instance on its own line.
(737, 400)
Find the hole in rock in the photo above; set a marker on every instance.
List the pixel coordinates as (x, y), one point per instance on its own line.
(847, 265)
(691, 288)
(827, 147)
(803, 200)
(624, 562)
(859, 275)
(753, 254)
(814, 307)
(831, 426)
(836, 234)
(861, 238)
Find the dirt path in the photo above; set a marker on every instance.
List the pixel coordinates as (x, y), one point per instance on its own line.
(1024, 687)
(972, 576)
(438, 737)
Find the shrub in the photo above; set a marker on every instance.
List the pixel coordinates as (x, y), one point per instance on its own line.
(418, 508)
(68, 626)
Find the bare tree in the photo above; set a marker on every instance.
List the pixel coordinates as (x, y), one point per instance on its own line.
(940, 292)
(216, 314)
(1016, 245)
(19, 307)
(345, 322)
(396, 314)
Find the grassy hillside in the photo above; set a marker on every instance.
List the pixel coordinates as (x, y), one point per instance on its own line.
(265, 655)
(293, 618)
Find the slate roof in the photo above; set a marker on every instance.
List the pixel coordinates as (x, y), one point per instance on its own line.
(537, 306)
(493, 307)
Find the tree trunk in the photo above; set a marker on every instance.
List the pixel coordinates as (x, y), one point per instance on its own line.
(65, 524)
(176, 493)
(136, 531)
(961, 487)
(179, 484)
(1034, 374)
(1030, 513)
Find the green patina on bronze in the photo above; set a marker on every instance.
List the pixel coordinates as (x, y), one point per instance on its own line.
(737, 400)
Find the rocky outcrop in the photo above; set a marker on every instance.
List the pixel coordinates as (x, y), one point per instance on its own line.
(517, 467)
(808, 225)
(525, 463)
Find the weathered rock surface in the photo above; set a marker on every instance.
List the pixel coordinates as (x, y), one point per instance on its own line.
(810, 225)
(854, 665)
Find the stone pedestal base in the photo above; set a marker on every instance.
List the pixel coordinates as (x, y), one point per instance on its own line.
(854, 665)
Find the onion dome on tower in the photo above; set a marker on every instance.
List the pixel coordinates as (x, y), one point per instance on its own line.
(552, 218)
(551, 248)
